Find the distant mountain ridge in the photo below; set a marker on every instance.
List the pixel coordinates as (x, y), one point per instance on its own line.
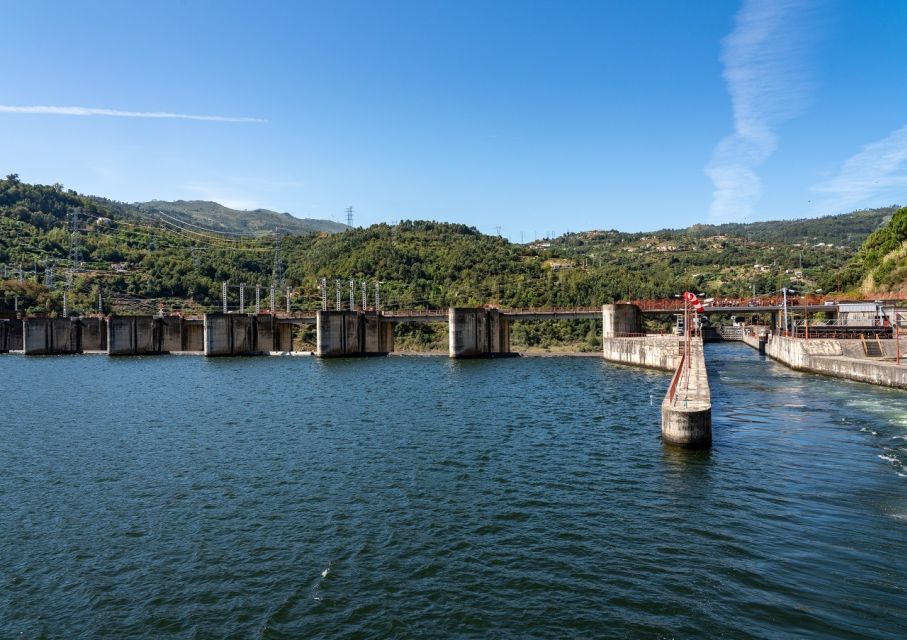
(213, 216)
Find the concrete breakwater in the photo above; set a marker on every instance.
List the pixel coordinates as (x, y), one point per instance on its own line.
(838, 358)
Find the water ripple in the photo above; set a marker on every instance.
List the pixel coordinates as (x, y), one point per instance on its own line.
(420, 497)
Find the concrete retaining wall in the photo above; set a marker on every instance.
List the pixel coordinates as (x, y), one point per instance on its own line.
(757, 342)
(657, 352)
(830, 357)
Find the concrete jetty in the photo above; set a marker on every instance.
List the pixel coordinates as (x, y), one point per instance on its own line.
(686, 411)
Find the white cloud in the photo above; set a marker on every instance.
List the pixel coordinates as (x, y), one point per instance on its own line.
(765, 71)
(878, 168)
(86, 111)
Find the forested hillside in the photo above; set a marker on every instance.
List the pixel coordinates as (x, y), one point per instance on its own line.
(136, 263)
(880, 266)
(202, 214)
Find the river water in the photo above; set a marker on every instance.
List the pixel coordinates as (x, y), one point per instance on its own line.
(179, 497)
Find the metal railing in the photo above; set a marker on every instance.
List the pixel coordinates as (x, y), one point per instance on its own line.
(681, 366)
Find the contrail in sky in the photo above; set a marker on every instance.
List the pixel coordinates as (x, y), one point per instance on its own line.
(87, 111)
(764, 67)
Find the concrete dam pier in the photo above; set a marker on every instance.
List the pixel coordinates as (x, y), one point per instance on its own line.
(353, 333)
(473, 332)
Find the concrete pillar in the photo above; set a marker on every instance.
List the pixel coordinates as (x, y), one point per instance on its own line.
(45, 336)
(621, 320)
(378, 333)
(229, 335)
(134, 335)
(353, 333)
(337, 333)
(477, 333)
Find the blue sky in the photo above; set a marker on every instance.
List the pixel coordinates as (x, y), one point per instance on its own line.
(529, 116)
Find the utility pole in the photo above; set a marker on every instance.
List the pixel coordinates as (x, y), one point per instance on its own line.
(349, 216)
(223, 291)
(784, 294)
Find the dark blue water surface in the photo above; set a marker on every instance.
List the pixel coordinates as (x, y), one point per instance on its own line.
(179, 497)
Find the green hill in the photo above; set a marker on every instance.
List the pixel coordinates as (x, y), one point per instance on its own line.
(880, 266)
(211, 216)
(135, 260)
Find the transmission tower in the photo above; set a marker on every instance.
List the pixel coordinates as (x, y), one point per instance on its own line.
(277, 265)
(75, 245)
(349, 216)
(48, 274)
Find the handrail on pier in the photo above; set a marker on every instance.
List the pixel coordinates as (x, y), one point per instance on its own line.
(672, 390)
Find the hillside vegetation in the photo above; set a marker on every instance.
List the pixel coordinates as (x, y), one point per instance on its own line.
(136, 262)
(880, 266)
(205, 215)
